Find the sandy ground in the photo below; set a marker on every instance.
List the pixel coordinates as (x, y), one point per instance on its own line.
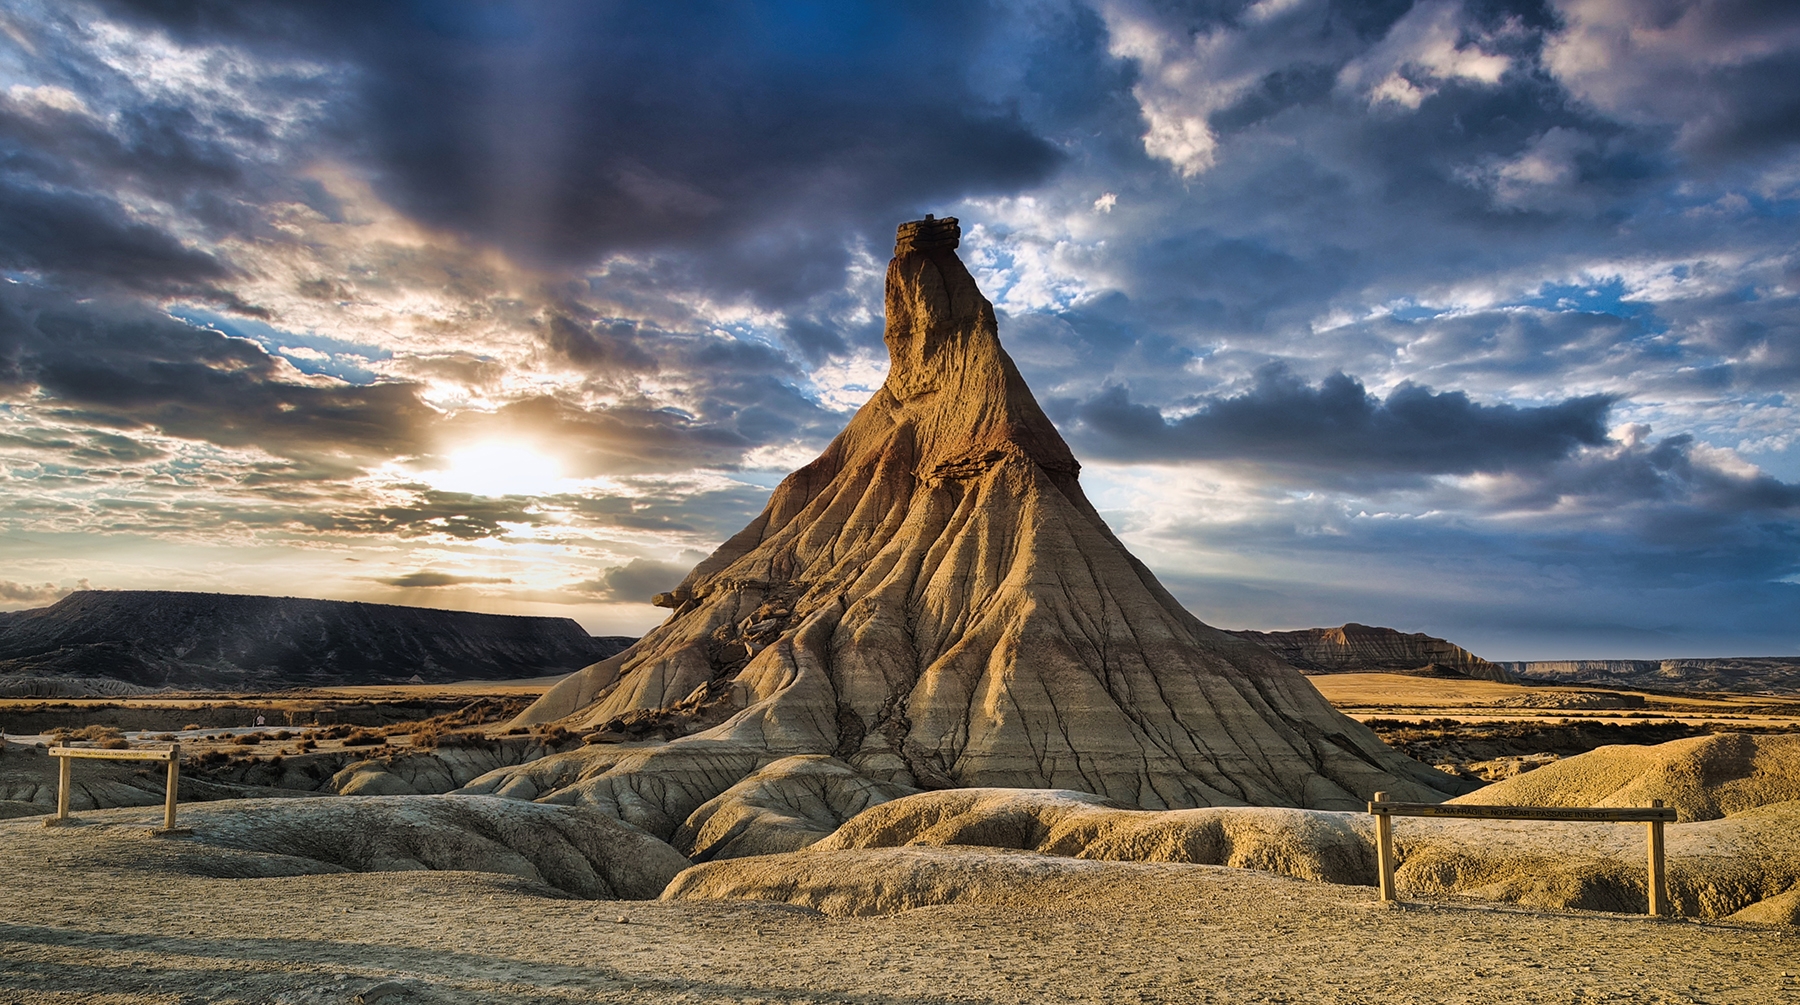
(1399, 696)
(99, 917)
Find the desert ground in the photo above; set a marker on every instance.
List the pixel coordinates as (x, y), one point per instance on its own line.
(104, 912)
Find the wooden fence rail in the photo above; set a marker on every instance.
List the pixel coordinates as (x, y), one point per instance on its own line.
(1655, 815)
(171, 754)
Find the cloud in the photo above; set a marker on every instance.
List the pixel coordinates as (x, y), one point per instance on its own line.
(634, 582)
(646, 245)
(565, 132)
(142, 368)
(456, 515)
(45, 593)
(426, 578)
(1340, 428)
(1720, 71)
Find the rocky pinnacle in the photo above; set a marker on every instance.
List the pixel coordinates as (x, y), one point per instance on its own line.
(934, 601)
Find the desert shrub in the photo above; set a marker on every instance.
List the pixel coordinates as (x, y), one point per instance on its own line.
(96, 733)
(553, 736)
(432, 738)
(337, 732)
(248, 739)
(364, 738)
(211, 758)
(307, 745)
(284, 735)
(114, 743)
(190, 727)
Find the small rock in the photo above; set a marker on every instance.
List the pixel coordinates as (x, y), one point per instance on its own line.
(622, 920)
(380, 992)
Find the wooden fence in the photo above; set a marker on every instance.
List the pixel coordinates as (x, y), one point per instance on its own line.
(171, 754)
(1655, 815)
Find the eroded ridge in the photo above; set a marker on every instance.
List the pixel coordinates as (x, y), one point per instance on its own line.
(935, 601)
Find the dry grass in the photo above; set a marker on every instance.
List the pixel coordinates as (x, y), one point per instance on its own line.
(1458, 745)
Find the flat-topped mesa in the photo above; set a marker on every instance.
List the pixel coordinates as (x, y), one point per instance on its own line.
(934, 602)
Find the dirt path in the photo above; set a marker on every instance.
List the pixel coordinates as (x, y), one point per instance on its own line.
(108, 919)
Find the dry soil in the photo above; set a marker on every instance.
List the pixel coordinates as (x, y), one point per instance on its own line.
(84, 928)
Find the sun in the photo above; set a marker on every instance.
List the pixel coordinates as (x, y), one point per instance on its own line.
(497, 468)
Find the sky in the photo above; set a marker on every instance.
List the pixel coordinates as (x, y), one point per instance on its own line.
(1473, 318)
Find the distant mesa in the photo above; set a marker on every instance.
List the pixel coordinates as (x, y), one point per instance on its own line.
(935, 603)
(147, 639)
(1358, 648)
(1770, 675)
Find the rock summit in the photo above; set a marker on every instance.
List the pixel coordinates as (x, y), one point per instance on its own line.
(935, 602)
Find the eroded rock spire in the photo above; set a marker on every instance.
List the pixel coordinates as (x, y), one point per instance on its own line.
(934, 602)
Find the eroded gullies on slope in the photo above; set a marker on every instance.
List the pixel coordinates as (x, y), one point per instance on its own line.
(935, 603)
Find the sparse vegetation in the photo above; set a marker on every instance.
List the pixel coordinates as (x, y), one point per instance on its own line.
(364, 738)
(1452, 741)
(248, 739)
(430, 739)
(88, 734)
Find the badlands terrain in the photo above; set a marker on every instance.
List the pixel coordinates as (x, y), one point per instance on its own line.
(924, 730)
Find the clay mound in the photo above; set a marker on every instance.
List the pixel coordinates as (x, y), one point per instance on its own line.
(783, 806)
(1781, 910)
(935, 602)
(425, 773)
(848, 884)
(1327, 847)
(579, 852)
(1716, 868)
(1703, 777)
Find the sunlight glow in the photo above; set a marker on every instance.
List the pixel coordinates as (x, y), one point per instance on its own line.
(498, 469)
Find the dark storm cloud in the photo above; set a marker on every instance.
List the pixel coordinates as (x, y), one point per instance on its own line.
(1657, 474)
(77, 191)
(119, 364)
(1339, 427)
(144, 368)
(426, 578)
(634, 582)
(454, 514)
(748, 135)
(1722, 72)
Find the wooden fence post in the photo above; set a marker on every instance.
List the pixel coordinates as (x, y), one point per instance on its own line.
(1657, 884)
(1384, 850)
(174, 787)
(62, 791)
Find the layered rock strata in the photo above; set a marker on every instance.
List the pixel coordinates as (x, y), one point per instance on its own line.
(1358, 648)
(935, 602)
(220, 641)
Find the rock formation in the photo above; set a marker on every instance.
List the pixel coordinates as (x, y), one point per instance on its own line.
(935, 602)
(1701, 777)
(221, 641)
(1771, 675)
(1358, 648)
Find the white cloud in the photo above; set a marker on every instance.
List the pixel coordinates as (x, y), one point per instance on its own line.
(1425, 49)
